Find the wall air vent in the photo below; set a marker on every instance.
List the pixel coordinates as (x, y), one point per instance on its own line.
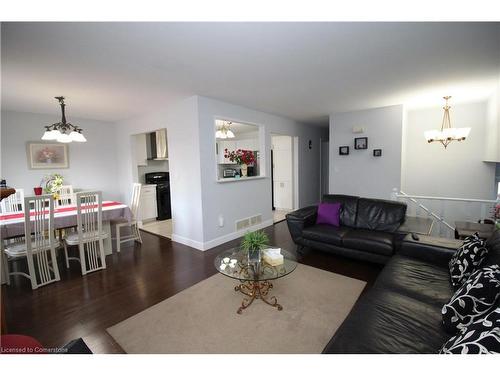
(248, 222)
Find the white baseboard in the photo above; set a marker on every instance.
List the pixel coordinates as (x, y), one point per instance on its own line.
(219, 240)
(188, 242)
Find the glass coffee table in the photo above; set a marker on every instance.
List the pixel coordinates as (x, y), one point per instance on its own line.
(254, 276)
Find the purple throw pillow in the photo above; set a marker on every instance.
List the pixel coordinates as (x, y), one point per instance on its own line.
(329, 213)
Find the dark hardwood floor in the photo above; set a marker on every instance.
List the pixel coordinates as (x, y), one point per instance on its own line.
(135, 279)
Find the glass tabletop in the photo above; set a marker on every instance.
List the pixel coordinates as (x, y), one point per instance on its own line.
(235, 263)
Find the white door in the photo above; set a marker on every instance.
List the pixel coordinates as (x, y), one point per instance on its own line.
(282, 172)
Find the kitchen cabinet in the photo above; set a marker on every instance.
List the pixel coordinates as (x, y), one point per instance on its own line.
(148, 209)
(141, 154)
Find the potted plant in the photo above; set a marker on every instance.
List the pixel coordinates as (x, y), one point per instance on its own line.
(243, 158)
(253, 243)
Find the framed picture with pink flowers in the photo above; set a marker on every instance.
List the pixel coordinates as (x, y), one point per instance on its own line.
(47, 155)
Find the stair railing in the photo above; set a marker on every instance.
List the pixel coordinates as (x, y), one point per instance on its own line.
(446, 229)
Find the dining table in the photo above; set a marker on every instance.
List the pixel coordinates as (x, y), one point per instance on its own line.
(12, 224)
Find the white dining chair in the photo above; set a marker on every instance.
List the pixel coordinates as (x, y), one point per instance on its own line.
(135, 234)
(66, 196)
(89, 235)
(39, 250)
(14, 203)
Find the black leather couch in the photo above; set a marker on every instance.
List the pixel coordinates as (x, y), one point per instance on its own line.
(368, 228)
(402, 312)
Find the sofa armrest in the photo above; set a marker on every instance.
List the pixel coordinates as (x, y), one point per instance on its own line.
(434, 250)
(300, 219)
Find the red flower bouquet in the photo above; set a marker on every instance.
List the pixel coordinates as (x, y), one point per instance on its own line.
(240, 156)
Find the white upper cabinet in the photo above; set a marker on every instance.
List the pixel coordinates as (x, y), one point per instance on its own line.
(141, 154)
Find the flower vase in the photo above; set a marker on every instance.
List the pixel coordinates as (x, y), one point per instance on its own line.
(254, 256)
(244, 170)
(38, 190)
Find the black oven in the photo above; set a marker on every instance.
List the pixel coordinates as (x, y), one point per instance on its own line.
(162, 181)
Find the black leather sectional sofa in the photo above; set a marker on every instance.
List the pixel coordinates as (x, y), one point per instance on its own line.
(401, 313)
(368, 228)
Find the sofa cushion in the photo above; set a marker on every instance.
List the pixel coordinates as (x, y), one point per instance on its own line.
(419, 279)
(370, 241)
(466, 260)
(481, 337)
(389, 322)
(473, 299)
(381, 215)
(325, 233)
(329, 213)
(349, 207)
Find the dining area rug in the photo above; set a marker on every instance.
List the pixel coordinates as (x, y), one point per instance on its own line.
(203, 318)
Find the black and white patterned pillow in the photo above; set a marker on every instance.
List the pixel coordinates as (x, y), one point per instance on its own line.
(481, 337)
(466, 259)
(473, 299)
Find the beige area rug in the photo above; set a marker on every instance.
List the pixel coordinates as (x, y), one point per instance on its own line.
(203, 318)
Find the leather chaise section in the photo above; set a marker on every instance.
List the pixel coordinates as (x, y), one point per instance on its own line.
(421, 280)
(389, 322)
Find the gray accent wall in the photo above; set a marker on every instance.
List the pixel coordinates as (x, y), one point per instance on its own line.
(360, 173)
(92, 165)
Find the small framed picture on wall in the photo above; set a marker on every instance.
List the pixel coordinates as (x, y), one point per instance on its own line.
(361, 143)
(377, 152)
(344, 150)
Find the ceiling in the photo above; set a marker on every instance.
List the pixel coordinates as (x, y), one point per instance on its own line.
(303, 71)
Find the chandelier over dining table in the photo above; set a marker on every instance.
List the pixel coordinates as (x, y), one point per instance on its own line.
(63, 131)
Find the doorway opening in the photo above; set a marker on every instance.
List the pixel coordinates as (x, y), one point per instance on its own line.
(283, 186)
(150, 166)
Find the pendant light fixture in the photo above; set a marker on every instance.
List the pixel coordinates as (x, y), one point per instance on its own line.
(63, 131)
(447, 134)
(224, 131)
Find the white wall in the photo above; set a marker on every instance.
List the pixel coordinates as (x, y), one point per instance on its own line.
(92, 165)
(282, 171)
(491, 149)
(181, 122)
(360, 173)
(197, 199)
(237, 200)
(458, 171)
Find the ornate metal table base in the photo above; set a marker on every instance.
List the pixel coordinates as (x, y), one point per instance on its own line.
(256, 290)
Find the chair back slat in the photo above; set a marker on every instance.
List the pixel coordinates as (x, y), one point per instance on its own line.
(66, 196)
(40, 240)
(13, 203)
(89, 228)
(134, 202)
